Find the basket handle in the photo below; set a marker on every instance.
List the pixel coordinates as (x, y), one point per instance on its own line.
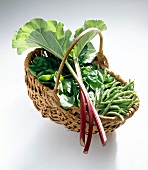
(100, 58)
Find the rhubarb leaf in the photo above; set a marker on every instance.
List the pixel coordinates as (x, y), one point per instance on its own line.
(95, 24)
(89, 36)
(50, 35)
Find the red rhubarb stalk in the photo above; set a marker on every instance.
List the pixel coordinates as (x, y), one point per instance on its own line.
(92, 113)
(99, 126)
(82, 118)
(90, 130)
(82, 104)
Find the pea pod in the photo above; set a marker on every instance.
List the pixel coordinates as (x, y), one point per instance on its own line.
(105, 94)
(108, 85)
(120, 110)
(130, 96)
(124, 112)
(116, 107)
(127, 86)
(113, 89)
(116, 83)
(99, 97)
(107, 108)
(115, 114)
(101, 94)
(122, 94)
(120, 101)
(112, 95)
(128, 101)
(132, 104)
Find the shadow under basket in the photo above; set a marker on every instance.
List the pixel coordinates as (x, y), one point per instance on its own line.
(47, 102)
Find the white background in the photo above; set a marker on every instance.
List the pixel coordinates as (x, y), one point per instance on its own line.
(30, 142)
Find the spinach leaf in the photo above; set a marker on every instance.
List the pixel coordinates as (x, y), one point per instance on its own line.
(68, 87)
(92, 96)
(95, 79)
(66, 102)
(87, 55)
(44, 65)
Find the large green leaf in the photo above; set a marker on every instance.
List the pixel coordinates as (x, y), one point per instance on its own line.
(95, 24)
(87, 55)
(89, 36)
(50, 35)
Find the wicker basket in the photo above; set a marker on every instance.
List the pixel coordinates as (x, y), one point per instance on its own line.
(47, 102)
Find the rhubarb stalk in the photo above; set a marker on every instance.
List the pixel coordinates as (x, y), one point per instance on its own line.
(92, 113)
(82, 118)
(82, 104)
(83, 112)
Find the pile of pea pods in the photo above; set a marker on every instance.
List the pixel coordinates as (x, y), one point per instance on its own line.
(115, 98)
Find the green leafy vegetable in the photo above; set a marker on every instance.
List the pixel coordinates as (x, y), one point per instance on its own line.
(87, 55)
(95, 24)
(87, 38)
(50, 35)
(66, 101)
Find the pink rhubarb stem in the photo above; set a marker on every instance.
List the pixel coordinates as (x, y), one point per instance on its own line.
(91, 109)
(90, 130)
(91, 113)
(82, 118)
(99, 125)
(82, 103)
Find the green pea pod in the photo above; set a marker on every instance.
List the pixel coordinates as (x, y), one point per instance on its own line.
(112, 95)
(133, 102)
(116, 83)
(113, 89)
(108, 85)
(124, 112)
(114, 107)
(115, 114)
(120, 101)
(130, 96)
(105, 94)
(127, 86)
(116, 101)
(99, 95)
(107, 108)
(123, 94)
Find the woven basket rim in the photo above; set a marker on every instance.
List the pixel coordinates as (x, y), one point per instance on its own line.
(132, 110)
